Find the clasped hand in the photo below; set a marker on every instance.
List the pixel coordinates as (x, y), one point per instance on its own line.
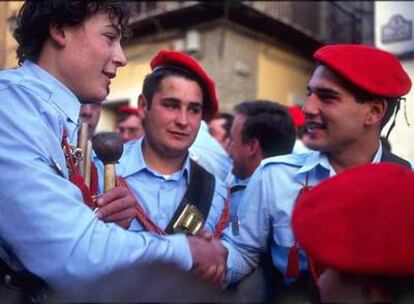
(209, 257)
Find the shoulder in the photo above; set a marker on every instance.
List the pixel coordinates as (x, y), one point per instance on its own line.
(18, 80)
(130, 159)
(219, 186)
(295, 160)
(392, 158)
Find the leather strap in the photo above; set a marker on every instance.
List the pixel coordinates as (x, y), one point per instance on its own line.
(199, 193)
(392, 158)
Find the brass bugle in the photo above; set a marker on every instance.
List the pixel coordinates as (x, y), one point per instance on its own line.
(83, 145)
(88, 164)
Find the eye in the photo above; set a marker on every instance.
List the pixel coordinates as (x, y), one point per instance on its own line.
(171, 104)
(326, 97)
(110, 36)
(195, 109)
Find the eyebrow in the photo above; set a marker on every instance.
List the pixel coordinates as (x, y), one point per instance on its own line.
(192, 103)
(114, 27)
(324, 91)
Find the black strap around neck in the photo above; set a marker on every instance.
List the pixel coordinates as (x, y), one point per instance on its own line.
(388, 157)
(199, 193)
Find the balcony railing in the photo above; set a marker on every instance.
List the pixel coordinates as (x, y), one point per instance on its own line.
(323, 21)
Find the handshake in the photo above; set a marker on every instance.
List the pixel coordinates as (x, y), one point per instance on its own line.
(209, 257)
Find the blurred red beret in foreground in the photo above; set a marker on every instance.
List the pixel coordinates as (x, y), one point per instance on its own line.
(370, 69)
(360, 221)
(177, 59)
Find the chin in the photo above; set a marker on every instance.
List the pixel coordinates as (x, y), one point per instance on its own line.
(93, 98)
(313, 145)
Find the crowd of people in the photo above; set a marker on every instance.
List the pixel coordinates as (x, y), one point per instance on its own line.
(271, 203)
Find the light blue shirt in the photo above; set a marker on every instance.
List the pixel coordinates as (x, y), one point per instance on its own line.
(44, 224)
(237, 187)
(160, 195)
(267, 205)
(208, 153)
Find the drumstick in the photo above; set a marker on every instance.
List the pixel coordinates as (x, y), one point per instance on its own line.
(108, 147)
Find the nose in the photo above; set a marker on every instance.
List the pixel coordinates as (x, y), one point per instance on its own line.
(182, 118)
(311, 105)
(125, 136)
(119, 56)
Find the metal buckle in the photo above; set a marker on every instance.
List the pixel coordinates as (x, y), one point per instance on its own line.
(190, 221)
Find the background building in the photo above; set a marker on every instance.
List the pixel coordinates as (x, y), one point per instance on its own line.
(394, 33)
(252, 49)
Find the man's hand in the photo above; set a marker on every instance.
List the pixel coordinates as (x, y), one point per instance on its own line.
(118, 206)
(209, 258)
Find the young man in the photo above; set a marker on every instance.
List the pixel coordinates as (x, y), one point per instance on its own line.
(357, 229)
(260, 129)
(176, 95)
(352, 94)
(68, 51)
(129, 123)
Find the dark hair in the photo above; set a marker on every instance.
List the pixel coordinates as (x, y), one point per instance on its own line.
(270, 123)
(36, 17)
(153, 80)
(362, 96)
(228, 121)
(122, 116)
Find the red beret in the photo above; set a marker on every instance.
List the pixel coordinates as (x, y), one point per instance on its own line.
(360, 221)
(128, 109)
(370, 69)
(297, 116)
(171, 58)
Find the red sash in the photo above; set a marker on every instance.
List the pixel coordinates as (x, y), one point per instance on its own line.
(292, 268)
(77, 179)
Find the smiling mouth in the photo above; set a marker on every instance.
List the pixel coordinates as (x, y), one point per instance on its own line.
(110, 75)
(312, 126)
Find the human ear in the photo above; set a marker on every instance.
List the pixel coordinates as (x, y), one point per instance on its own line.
(142, 102)
(57, 34)
(377, 110)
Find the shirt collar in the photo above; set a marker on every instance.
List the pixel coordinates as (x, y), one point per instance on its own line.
(235, 181)
(319, 159)
(135, 162)
(59, 94)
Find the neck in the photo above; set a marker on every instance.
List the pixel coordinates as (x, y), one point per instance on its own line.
(253, 163)
(158, 161)
(361, 154)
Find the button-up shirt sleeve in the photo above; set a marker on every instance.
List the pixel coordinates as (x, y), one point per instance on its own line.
(43, 220)
(246, 246)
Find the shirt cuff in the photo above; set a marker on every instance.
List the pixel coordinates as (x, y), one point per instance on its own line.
(181, 254)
